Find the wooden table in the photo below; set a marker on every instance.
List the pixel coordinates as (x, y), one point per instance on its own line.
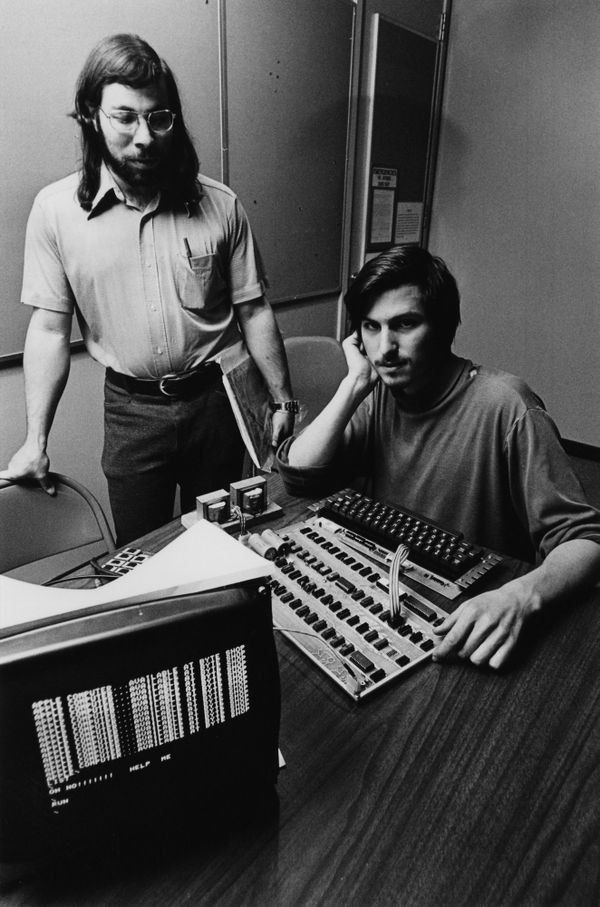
(455, 786)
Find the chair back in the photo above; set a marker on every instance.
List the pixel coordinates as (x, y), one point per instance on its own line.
(317, 365)
(42, 535)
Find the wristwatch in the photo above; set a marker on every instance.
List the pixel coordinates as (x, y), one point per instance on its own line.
(286, 406)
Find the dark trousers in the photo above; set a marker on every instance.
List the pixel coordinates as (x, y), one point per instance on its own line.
(153, 444)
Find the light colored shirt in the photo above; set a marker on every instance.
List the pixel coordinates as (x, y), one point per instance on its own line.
(486, 461)
(145, 306)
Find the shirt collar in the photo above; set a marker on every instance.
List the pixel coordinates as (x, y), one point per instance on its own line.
(109, 192)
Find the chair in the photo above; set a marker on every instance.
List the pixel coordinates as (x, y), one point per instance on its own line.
(44, 536)
(317, 365)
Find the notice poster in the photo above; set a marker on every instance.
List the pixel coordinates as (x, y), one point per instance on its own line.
(384, 181)
(384, 177)
(382, 216)
(409, 216)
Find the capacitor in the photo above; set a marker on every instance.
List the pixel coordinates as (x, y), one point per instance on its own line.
(280, 545)
(258, 544)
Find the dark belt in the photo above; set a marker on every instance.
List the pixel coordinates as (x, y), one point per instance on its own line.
(186, 384)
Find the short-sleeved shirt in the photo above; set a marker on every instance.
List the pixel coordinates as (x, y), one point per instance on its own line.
(153, 291)
(486, 460)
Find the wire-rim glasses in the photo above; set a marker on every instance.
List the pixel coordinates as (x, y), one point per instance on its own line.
(126, 122)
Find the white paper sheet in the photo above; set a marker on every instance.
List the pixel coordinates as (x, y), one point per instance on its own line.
(203, 557)
(382, 216)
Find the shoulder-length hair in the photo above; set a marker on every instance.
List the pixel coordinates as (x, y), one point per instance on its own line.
(130, 60)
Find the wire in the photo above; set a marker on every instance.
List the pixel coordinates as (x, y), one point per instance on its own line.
(396, 596)
(78, 576)
(353, 675)
(241, 517)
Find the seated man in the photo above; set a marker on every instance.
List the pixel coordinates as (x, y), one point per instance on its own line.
(469, 447)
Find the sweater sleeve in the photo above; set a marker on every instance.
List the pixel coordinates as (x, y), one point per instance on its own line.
(351, 461)
(315, 482)
(544, 487)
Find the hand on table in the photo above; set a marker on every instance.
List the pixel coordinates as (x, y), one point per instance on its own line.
(485, 628)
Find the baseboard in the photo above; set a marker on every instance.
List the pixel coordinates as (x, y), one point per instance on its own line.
(585, 451)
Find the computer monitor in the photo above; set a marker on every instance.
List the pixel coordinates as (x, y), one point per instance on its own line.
(119, 714)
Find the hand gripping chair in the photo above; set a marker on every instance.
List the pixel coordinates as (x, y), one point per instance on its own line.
(44, 536)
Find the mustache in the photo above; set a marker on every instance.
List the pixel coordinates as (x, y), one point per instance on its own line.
(144, 158)
(391, 359)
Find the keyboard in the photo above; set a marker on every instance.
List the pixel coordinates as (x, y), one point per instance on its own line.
(434, 549)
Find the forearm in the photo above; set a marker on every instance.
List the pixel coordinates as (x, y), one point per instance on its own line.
(486, 628)
(265, 345)
(46, 361)
(319, 442)
(572, 566)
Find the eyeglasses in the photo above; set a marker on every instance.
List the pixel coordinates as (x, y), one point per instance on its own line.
(126, 121)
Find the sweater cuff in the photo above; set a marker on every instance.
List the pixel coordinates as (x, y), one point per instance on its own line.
(316, 481)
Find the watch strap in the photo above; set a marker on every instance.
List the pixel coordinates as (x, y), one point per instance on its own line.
(286, 406)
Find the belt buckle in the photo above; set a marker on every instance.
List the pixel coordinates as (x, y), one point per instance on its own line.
(161, 385)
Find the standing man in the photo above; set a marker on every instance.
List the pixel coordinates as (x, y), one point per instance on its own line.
(159, 266)
(471, 448)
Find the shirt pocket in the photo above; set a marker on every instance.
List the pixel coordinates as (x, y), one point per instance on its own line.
(200, 284)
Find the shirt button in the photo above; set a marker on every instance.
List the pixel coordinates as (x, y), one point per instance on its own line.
(159, 350)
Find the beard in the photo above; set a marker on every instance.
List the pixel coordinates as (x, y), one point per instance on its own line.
(149, 172)
(143, 171)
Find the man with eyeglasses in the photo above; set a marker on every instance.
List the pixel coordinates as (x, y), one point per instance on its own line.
(161, 269)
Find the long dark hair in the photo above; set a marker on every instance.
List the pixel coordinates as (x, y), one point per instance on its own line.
(130, 60)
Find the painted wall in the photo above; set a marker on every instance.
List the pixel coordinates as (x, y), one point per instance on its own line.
(517, 198)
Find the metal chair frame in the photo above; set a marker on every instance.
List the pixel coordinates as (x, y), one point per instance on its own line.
(42, 536)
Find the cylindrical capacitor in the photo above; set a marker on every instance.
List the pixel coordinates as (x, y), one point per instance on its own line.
(261, 547)
(280, 545)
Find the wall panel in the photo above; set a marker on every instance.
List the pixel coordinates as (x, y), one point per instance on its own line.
(288, 67)
(517, 204)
